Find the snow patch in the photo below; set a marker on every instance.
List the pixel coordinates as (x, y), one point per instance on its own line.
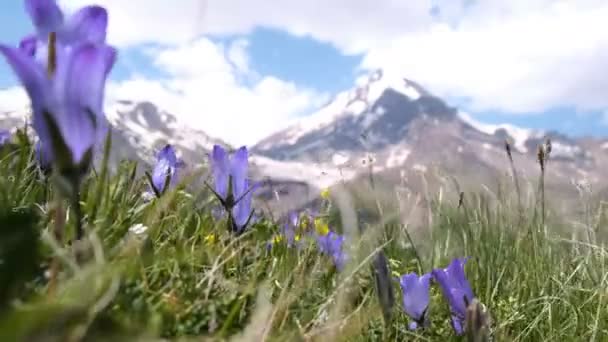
(397, 157)
(562, 150)
(339, 159)
(372, 117)
(419, 168)
(353, 103)
(318, 175)
(520, 135)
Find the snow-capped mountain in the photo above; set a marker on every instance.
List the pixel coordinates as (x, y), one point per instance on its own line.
(147, 128)
(386, 123)
(139, 129)
(404, 129)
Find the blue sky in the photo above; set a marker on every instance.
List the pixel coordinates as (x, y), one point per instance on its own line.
(306, 60)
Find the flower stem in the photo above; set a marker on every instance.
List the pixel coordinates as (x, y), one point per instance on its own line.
(78, 214)
(59, 226)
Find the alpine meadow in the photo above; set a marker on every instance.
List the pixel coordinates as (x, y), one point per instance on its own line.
(432, 227)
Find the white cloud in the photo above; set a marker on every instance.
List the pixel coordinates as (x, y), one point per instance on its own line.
(237, 55)
(520, 57)
(350, 24)
(514, 56)
(13, 99)
(204, 89)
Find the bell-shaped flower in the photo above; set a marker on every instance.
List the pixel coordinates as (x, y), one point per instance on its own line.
(290, 227)
(86, 25)
(231, 185)
(243, 213)
(456, 290)
(66, 106)
(165, 172)
(332, 244)
(416, 298)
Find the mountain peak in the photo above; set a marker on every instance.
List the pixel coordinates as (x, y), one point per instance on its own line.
(376, 112)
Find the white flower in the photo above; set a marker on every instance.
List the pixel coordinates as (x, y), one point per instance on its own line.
(148, 196)
(138, 229)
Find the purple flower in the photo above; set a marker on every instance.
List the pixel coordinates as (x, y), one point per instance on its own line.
(66, 96)
(231, 185)
(290, 227)
(416, 297)
(165, 170)
(332, 245)
(88, 24)
(457, 291)
(66, 107)
(5, 137)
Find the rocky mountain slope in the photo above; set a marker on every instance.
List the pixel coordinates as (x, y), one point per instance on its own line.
(406, 133)
(387, 124)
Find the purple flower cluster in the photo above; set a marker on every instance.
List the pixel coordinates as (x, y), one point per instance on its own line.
(63, 67)
(454, 286)
(332, 244)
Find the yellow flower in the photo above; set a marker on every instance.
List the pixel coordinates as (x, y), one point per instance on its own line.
(277, 239)
(210, 239)
(321, 226)
(304, 221)
(297, 237)
(325, 193)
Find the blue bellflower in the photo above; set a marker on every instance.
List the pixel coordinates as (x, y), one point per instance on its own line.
(231, 185)
(66, 88)
(165, 172)
(290, 227)
(456, 290)
(88, 24)
(332, 244)
(416, 298)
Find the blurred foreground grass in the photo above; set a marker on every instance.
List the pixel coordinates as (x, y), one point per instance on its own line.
(186, 277)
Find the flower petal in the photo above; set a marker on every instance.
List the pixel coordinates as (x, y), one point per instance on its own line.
(416, 295)
(293, 219)
(83, 84)
(219, 168)
(238, 171)
(35, 82)
(457, 324)
(168, 153)
(46, 16)
(162, 169)
(455, 288)
(456, 272)
(28, 45)
(242, 209)
(89, 24)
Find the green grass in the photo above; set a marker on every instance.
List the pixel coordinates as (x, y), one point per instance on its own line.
(537, 281)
